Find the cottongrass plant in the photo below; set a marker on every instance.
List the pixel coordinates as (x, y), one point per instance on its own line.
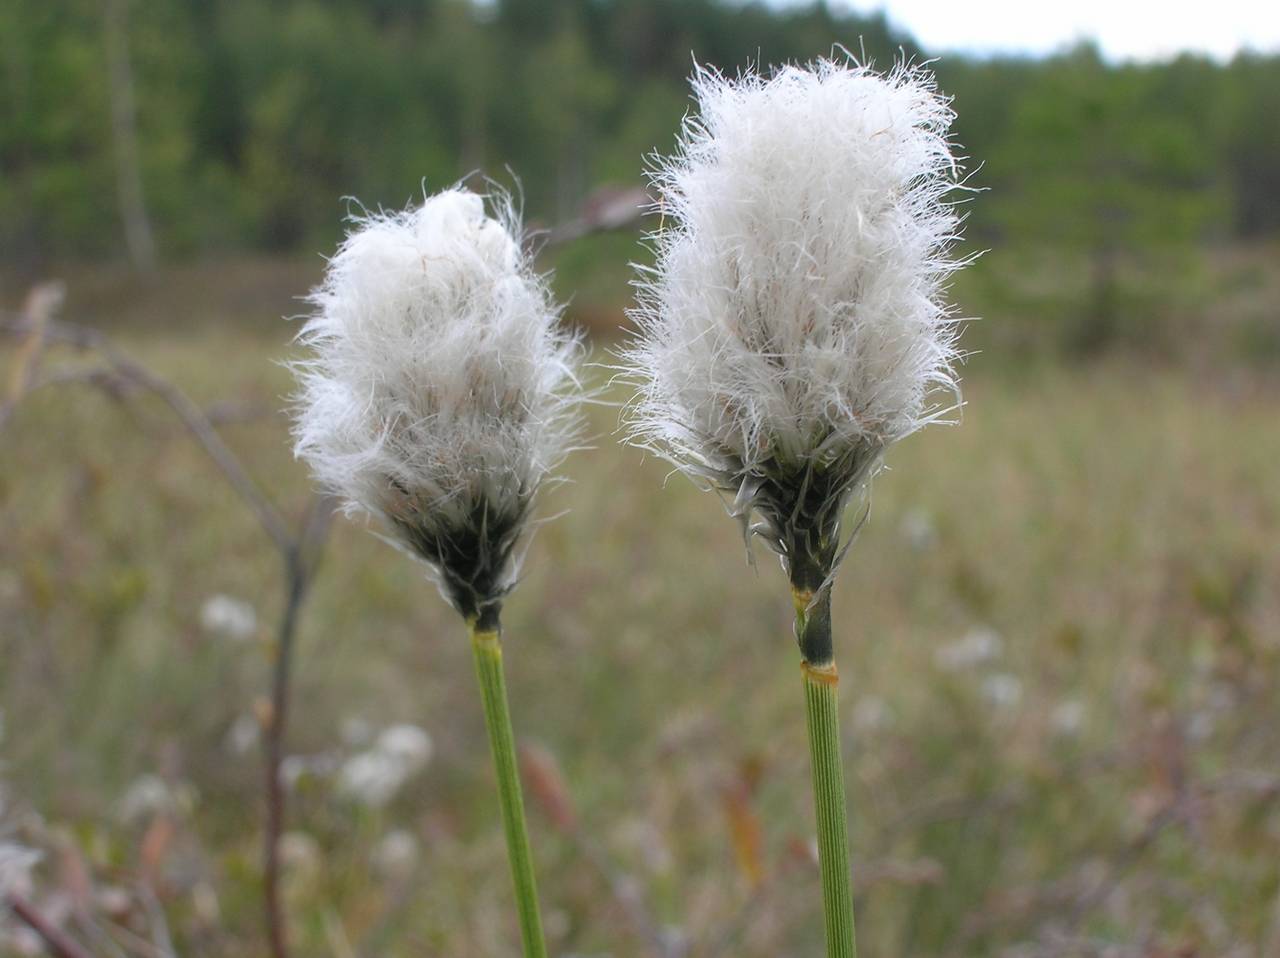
(793, 327)
(440, 395)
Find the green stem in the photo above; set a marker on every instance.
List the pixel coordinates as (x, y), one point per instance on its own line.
(493, 689)
(823, 718)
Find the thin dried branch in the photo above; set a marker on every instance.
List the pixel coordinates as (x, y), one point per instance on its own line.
(120, 940)
(191, 415)
(42, 303)
(606, 210)
(300, 562)
(59, 943)
(117, 372)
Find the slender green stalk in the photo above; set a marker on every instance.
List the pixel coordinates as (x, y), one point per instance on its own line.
(813, 626)
(493, 689)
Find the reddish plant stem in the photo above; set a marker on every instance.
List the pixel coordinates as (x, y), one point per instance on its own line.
(60, 944)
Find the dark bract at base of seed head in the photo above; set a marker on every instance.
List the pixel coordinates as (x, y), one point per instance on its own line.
(800, 508)
(800, 505)
(474, 557)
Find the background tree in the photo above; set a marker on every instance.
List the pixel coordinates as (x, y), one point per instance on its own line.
(1102, 174)
(255, 119)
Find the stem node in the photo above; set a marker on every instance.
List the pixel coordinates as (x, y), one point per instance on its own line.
(822, 716)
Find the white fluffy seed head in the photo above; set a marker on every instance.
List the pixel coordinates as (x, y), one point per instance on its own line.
(794, 324)
(441, 391)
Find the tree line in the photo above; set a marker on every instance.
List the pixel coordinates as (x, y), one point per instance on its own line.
(242, 124)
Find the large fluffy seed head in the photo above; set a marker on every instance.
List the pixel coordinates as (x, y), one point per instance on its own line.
(794, 325)
(441, 390)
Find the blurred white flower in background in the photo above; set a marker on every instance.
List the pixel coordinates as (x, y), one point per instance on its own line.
(374, 776)
(978, 647)
(16, 863)
(395, 855)
(918, 529)
(228, 617)
(242, 736)
(370, 776)
(147, 795)
(294, 768)
(1067, 717)
(1002, 690)
(114, 901)
(408, 742)
(300, 854)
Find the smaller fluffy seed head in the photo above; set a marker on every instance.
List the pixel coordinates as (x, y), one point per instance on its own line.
(441, 390)
(793, 325)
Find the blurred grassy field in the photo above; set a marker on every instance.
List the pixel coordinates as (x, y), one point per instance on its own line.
(1059, 635)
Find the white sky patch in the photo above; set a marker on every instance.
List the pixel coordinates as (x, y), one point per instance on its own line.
(1125, 30)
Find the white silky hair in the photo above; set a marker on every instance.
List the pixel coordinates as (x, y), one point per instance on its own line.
(795, 313)
(441, 384)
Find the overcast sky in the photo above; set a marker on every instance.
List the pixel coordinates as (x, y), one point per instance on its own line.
(1124, 29)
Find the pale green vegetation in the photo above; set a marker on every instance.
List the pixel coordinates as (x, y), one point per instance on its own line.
(1059, 642)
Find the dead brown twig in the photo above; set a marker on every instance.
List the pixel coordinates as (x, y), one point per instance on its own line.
(86, 338)
(300, 551)
(41, 304)
(60, 944)
(300, 561)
